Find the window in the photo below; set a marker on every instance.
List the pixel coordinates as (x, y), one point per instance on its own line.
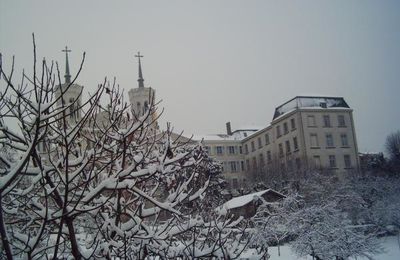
(219, 150)
(317, 161)
(248, 164)
(285, 128)
(71, 111)
(341, 121)
(329, 140)
(71, 108)
(231, 149)
(261, 160)
(266, 139)
(343, 138)
(245, 134)
(246, 149)
(240, 150)
(259, 142)
(347, 161)
(295, 144)
(298, 164)
(287, 146)
(282, 167)
(269, 157)
(311, 121)
(280, 150)
(233, 166)
(242, 166)
(254, 163)
(327, 121)
(290, 165)
(314, 140)
(332, 161)
(278, 131)
(253, 148)
(293, 124)
(235, 183)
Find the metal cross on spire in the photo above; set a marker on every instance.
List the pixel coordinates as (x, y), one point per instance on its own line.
(67, 76)
(140, 80)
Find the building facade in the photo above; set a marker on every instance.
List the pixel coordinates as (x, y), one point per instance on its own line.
(305, 133)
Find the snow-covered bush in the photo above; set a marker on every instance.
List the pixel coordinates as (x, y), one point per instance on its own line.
(325, 232)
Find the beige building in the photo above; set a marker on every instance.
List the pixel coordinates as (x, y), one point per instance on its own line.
(305, 133)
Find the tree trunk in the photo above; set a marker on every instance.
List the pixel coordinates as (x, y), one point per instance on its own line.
(3, 233)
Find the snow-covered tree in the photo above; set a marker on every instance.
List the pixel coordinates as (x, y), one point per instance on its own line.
(322, 230)
(325, 232)
(272, 222)
(392, 146)
(107, 185)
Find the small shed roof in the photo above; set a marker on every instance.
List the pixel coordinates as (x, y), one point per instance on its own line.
(246, 199)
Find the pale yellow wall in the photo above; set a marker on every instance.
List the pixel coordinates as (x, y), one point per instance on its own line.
(304, 152)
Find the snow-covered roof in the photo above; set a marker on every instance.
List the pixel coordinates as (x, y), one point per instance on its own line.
(310, 102)
(245, 199)
(248, 128)
(239, 134)
(214, 137)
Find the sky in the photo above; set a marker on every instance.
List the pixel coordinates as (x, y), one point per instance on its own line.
(211, 62)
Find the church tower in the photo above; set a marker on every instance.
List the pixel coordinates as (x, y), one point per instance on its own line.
(141, 97)
(71, 94)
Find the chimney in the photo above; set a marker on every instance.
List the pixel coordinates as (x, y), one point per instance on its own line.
(228, 128)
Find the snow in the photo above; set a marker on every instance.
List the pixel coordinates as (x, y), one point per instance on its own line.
(243, 200)
(310, 102)
(15, 169)
(214, 137)
(390, 245)
(239, 134)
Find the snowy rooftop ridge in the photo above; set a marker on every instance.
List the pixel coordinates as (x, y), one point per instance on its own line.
(245, 199)
(213, 137)
(237, 135)
(310, 102)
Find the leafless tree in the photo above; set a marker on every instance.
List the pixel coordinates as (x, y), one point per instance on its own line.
(392, 146)
(105, 185)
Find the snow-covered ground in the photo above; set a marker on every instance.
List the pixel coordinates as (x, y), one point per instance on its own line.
(390, 245)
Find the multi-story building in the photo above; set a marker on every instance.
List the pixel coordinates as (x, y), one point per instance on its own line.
(228, 149)
(305, 133)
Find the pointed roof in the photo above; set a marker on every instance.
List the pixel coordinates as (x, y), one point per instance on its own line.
(140, 79)
(67, 75)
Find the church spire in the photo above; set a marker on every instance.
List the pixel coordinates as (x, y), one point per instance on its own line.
(67, 76)
(140, 80)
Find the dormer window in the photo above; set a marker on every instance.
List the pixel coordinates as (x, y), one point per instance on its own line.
(322, 104)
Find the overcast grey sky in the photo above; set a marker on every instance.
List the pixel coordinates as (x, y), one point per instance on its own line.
(217, 61)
